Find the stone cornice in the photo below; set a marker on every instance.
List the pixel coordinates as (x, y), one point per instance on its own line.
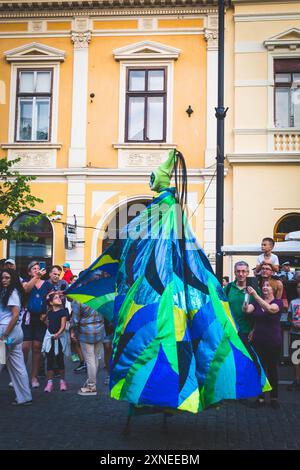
(105, 8)
(122, 173)
(17, 5)
(263, 158)
(250, 2)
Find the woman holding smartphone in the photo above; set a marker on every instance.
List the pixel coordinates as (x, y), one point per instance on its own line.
(266, 335)
(33, 325)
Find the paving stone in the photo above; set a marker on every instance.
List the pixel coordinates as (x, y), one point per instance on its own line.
(67, 421)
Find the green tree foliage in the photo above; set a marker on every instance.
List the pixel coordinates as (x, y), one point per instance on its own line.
(15, 197)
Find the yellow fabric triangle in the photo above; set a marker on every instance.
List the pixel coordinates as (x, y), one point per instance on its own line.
(133, 309)
(191, 403)
(106, 259)
(179, 322)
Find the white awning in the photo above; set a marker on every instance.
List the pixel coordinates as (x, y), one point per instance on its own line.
(293, 236)
(282, 248)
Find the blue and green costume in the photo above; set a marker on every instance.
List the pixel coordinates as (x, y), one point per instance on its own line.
(175, 345)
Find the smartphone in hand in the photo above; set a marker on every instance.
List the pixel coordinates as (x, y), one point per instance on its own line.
(252, 282)
(42, 264)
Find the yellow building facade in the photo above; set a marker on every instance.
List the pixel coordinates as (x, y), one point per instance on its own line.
(262, 84)
(92, 97)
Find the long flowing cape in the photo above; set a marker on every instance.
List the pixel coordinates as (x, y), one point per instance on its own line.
(175, 344)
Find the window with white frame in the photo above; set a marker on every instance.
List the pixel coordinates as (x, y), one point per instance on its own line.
(146, 102)
(287, 92)
(34, 105)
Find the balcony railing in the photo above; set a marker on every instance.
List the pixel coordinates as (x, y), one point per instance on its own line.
(287, 140)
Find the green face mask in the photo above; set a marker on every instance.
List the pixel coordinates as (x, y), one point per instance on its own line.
(161, 177)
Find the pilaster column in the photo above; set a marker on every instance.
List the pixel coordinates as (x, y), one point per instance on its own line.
(76, 206)
(211, 36)
(77, 152)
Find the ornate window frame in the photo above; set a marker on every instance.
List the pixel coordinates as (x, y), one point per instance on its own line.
(38, 57)
(146, 54)
(281, 46)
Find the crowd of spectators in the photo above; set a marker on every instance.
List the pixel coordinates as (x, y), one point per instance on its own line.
(258, 303)
(37, 318)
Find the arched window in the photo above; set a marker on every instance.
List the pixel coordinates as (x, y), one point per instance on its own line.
(40, 249)
(286, 224)
(123, 216)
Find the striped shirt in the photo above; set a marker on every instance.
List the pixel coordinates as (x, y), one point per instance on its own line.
(88, 324)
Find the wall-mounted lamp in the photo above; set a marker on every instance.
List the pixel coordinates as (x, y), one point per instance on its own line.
(92, 96)
(189, 111)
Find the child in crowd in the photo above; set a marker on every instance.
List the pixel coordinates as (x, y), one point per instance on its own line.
(55, 343)
(267, 256)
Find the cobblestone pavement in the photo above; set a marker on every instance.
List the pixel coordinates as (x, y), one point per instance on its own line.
(65, 420)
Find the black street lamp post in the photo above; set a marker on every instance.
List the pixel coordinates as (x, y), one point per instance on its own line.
(220, 115)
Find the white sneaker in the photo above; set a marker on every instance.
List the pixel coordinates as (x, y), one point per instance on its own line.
(10, 385)
(87, 390)
(35, 383)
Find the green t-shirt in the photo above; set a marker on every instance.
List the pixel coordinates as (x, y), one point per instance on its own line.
(236, 299)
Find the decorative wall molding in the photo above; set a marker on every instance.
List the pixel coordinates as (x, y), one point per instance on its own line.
(288, 39)
(81, 24)
(37, 26)
(262, 158)
(34, 52)
(30, 145)
(144, 146)
(141, 158)
(94, 12)
(212, 22)
(211, 36)
(81, 39)
(146, 50)
(147, 24)
(238, 18)
(38, 158)
(122, 175)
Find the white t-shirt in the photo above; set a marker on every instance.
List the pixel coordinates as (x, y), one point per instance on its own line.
(5, 312)
(273, 259)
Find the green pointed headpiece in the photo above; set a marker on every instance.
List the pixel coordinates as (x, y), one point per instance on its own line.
(161, 177)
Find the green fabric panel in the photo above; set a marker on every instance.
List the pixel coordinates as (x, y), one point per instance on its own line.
(97, 302)
(209, 386)
(166, 328)
(116, 390)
